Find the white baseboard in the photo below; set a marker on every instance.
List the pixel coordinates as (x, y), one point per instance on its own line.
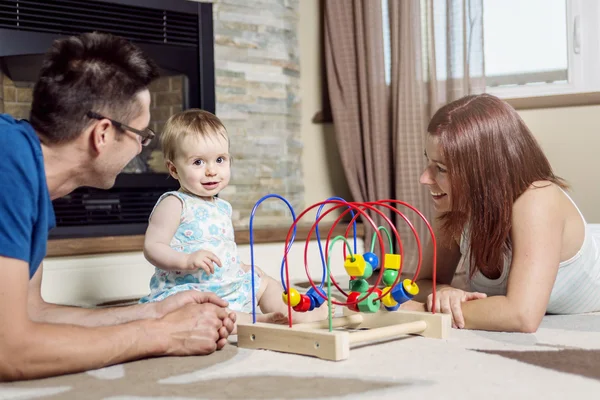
(92, 280)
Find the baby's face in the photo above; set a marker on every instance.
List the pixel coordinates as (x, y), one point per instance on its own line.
(203, 165)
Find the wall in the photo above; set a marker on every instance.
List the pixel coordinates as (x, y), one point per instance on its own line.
(16, 98)
(257, 87)
(323, 173)
(570, 139)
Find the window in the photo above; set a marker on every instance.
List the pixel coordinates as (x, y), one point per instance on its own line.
(531, 48)
(541, 47)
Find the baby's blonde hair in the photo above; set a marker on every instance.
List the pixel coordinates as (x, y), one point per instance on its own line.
(189, 123)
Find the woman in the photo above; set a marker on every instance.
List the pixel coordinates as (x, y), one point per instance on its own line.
(503, 212)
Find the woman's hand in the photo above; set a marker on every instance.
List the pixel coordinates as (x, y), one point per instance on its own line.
(449, 301)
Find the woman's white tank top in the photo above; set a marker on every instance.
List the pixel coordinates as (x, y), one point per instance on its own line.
(577, 286)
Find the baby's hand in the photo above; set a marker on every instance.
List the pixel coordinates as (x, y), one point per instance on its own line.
(204, 260)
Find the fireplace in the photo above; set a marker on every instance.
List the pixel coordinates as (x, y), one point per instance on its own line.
(177, 34)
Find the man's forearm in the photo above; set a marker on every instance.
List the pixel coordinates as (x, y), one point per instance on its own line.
(57, 314)
(47, 350)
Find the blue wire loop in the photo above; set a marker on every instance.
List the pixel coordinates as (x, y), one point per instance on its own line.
(323, 262)
(258, 203)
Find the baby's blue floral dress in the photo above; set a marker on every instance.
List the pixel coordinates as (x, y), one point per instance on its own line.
(205, 225)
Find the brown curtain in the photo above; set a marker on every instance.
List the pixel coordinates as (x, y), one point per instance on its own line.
(435, 56)
(359, 97)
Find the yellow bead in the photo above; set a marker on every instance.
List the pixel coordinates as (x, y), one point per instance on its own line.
(387, 299)
(410, 288)
(294, 297)
(355, 265)
(392, 261)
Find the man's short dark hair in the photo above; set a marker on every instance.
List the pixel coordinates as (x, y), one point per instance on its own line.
(91, 72)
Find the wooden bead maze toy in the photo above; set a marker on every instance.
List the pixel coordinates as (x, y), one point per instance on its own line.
(364, 319)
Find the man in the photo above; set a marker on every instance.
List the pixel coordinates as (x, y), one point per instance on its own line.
(89, 118)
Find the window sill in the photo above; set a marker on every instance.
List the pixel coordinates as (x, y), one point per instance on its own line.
(555, 101)
(116, 244)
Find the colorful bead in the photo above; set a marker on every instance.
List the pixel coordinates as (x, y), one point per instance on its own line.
(372, 259)
(386, 290)
(410, 287)
(392, 261)
(388, 300)
(393, 308)
(368, 271)
(294, 297)
(359, 285)
(355, 265)
(369, 304)
(304, 304)
(405, 292)
(389, 276)
(352, 297)
(314, 295)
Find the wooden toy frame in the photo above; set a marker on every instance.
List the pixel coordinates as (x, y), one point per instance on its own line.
(314, 339)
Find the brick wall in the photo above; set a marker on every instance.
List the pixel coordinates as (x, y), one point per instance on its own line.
(257, 88)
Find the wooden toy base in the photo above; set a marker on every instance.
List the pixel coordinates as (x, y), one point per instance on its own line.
(314, 339)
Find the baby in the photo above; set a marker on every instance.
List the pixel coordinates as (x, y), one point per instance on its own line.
(190, 237)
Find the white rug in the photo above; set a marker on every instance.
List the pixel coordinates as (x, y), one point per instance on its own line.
(561, 360)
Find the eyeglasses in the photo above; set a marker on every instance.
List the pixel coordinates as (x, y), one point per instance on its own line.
(147, 134)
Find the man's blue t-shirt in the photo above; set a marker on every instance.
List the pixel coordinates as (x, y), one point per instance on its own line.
(26, 212)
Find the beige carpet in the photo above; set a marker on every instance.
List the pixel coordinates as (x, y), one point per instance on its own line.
(561, 360)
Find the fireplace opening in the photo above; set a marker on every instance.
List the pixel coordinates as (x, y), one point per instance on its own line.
(177, 34)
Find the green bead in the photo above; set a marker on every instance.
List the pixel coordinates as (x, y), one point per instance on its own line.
(359, 285)
(368, 271)
(370, 305)
(389, 276)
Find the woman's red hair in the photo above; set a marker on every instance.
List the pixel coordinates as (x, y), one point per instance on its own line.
(491, 159)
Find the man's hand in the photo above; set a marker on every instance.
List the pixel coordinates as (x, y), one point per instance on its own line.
(449, 301)
(195, 329)
(179, 300)
(204, 260)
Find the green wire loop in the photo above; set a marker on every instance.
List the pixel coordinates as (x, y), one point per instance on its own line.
(382, 228)
(334, 241)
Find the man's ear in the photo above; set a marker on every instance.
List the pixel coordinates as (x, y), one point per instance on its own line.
(172, 169)
(99, 135)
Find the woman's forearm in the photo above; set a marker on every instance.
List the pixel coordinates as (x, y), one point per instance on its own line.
(498, 313)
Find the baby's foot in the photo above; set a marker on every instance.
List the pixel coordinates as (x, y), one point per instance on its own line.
(272, 318)
(318, 314)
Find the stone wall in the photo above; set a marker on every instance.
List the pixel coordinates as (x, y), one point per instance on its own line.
(257, 90)
(16, 97)
(257, 86)
(1, 92)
